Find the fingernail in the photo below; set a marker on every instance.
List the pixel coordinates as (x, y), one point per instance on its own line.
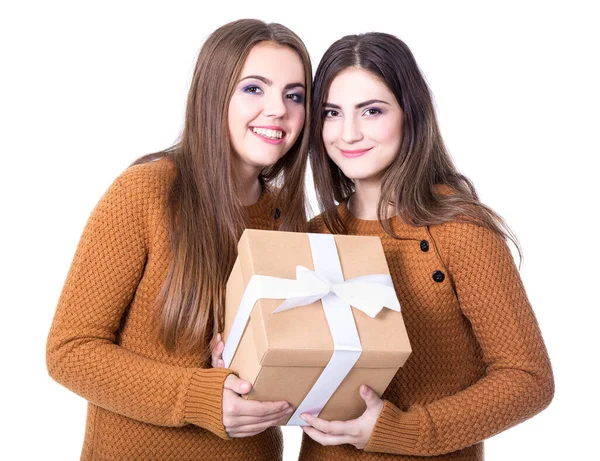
(304, 417)
(289, 410)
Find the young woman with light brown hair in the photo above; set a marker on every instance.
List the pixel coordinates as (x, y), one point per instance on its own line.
(145, 291)
(479, 364)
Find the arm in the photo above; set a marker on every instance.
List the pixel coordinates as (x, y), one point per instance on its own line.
(82, 353)
(518, 382)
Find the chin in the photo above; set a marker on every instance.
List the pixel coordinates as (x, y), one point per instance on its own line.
(263, 161)
(355, 173)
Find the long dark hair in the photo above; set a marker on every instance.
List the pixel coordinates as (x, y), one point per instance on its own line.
(206, 216)
(422, 183)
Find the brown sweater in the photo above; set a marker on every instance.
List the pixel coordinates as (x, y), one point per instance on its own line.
(479, 364)
(144, 403)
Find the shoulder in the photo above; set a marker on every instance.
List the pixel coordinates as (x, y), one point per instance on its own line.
(144, 182)
(140, 191)
(464, 241)
(463, 233)
(148, 176)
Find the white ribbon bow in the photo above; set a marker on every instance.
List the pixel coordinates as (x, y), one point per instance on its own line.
(369, 293)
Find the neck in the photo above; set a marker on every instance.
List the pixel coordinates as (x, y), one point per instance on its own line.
(364, 201)
(248, 187)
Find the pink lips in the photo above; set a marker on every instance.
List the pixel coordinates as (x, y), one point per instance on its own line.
(269, 140)
(354, 153)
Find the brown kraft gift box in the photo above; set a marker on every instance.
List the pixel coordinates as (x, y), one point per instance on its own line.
(283, 354)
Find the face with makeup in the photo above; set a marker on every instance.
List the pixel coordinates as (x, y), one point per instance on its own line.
(266, 110)
(363, 122)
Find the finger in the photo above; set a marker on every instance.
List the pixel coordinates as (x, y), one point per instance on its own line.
(371, 398)
(234, 405)
(258, 408)
(326, 439)
(235, 434)
(331, 427)
(259, 425)
(217, 354)
(237, 385)
(248, 430)
(240, 423)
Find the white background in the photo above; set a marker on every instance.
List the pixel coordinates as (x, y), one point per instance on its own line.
(87, 88)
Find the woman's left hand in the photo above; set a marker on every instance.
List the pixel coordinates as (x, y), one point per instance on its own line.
(355, 432)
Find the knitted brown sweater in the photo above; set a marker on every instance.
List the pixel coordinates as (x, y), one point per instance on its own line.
(144, 403)
(479, 364)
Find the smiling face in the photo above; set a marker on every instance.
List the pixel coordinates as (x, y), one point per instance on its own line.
(363, 122)
(267, 111)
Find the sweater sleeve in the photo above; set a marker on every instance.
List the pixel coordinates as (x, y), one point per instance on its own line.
(518, 382)
(82, 352)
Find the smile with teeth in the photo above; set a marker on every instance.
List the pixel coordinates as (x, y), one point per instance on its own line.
(268, 133)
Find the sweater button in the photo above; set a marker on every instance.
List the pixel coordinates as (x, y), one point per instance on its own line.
(276, 213)
(424, 245)
(438, 276)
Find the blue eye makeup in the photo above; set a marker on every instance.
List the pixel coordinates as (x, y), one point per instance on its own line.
(252, 89)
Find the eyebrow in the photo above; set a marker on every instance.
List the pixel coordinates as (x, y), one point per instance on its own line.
(266, 81)
(358, 106)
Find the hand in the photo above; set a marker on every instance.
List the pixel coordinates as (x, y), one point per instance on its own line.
(355, 432)
(245, 418)
(217, 347)
(241, 417)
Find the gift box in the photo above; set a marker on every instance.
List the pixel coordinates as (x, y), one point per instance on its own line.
(311, 317)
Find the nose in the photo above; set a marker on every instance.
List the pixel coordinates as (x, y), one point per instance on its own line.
(274, 106)
(351, 131)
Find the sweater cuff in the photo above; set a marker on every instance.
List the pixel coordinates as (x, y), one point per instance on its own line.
(395, 431)
(204, 400)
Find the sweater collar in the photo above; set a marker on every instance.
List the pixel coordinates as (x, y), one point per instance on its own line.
(373, 227)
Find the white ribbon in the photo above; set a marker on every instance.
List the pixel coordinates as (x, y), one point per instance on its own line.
(369, 293)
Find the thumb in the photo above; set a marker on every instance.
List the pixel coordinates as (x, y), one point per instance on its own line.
(237, 385)
(369, 396)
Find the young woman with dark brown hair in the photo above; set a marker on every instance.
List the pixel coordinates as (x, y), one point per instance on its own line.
(479, 364)
(145, 291)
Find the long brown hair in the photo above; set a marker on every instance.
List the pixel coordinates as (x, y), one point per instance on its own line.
(206, 215)
(422, 183)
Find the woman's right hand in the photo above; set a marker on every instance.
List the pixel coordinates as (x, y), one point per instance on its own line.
(245, 418)
(241, 417)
